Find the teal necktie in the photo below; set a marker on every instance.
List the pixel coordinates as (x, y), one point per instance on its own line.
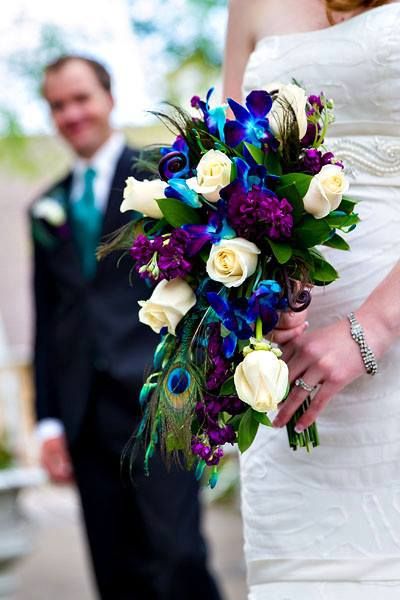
(87, 220)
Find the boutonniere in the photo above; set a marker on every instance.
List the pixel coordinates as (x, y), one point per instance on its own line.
(49, 221)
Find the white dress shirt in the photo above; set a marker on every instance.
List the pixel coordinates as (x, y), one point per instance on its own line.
(104, 162)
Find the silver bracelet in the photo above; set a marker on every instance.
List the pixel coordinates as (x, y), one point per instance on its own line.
(368, 357)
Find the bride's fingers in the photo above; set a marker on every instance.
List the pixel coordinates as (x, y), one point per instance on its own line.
(295, 399)
(289, 320)
(283, 336)
(318, 403)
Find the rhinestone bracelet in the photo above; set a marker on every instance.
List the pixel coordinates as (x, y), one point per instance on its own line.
(367, 355)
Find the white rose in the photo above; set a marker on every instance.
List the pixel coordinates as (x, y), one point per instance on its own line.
(49, 210)
(141, 196)
(326, 191)
(168, 304)
(213, 174)
(261, 380)
(288, 94)
(232, 261)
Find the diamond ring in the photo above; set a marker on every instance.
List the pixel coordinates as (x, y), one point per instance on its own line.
(305, 386)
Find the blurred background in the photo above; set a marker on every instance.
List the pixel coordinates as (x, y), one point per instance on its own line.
(156, 50)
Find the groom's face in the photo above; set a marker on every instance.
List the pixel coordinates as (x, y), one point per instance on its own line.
(80, 106)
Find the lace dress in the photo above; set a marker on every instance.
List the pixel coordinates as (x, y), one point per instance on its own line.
(326, 526)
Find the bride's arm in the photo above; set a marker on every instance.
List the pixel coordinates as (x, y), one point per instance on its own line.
(330, 357)
(239, 44)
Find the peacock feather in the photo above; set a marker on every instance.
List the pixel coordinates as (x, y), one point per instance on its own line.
(169, 396)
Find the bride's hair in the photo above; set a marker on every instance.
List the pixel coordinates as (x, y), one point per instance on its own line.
(349, 5)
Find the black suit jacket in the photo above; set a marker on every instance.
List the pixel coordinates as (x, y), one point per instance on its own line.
(87, 327)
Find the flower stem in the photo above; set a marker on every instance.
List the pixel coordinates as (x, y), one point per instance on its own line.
(259, 331)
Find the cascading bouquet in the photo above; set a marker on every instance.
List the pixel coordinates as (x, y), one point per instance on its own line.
(228, 236)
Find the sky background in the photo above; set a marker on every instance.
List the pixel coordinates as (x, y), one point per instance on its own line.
(101, 28)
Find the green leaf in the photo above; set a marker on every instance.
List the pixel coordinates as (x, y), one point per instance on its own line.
(177, 214)
(228, 388)
(257, 153)
(291, 193)
(273, 163)
(301, 181)
(311, 232)
(282, 252)
(247, 430)
(347, 205)
(335, 219)
(304, 255)
(323, 272)
(159, 225)
(336, 241)
(262, 418)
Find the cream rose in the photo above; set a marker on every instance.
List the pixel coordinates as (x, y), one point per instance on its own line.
(288, 94)
(168, 304)
(49, 210)
(213, 174)
(326, 191)
(232, 261)
(261, 380)
(142, 195)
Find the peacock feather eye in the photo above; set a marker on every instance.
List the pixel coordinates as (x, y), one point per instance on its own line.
(178, 381)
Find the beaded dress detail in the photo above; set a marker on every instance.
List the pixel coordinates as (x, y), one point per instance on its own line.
(326, 525)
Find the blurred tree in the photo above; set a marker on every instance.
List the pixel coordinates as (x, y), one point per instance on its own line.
(184, 39)
(27, 64)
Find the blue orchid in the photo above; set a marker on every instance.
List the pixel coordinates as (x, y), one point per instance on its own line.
(249, 173)
(265, 302)
(179, 189)
(235, 317)
(214, 118)
(216, 229)
(251, 124)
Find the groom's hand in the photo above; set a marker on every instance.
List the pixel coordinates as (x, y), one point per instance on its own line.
(56, 461)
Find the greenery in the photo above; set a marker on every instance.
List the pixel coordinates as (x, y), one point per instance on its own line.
(6, 457)
(184, 38)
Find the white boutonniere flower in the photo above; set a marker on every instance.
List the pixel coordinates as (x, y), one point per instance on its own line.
(50, 210)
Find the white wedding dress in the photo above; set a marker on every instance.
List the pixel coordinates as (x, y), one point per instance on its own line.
(326, 525)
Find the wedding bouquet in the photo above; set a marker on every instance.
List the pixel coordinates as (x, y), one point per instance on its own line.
(228, 235)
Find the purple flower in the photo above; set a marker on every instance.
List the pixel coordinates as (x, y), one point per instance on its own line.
(313, 160)
(221, 435)
(219, 364)
(161, 257)
(195, 102)
(316, 102)
(201, 448)
(258, 213)
(311, 133)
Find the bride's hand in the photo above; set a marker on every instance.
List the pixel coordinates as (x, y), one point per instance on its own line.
(328, 358)
(290, 326)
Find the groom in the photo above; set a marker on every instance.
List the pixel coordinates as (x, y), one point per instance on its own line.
(90, 354)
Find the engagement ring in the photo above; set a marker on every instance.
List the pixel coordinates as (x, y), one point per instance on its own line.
(301, 383)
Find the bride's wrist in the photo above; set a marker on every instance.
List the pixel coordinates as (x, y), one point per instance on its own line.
(378, 335)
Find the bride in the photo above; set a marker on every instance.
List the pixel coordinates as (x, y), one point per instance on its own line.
(326, 525)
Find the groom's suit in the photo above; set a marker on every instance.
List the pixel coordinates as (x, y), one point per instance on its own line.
(90, 355)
